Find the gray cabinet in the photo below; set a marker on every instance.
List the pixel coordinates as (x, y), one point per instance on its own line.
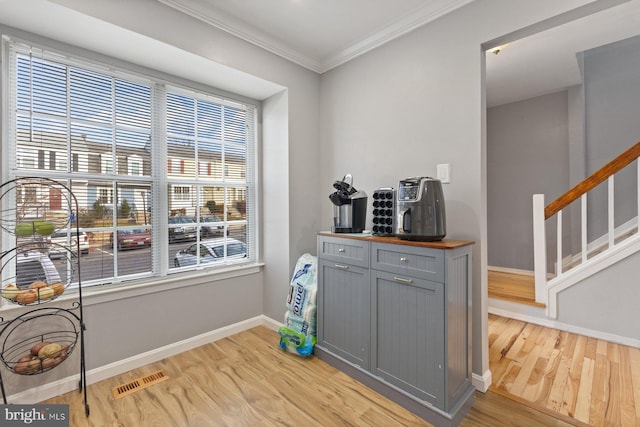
(344, 327)
(345, 324)
(408, 334)
(396, 316)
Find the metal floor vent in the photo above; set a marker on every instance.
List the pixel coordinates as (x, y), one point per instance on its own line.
(138, 384)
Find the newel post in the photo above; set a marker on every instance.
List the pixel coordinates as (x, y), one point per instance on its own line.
(539, 248)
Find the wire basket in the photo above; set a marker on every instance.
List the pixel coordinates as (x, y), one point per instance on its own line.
(29, 276)
(27, 354)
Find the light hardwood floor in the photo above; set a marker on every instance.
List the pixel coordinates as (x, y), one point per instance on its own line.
(590, 380)
(518, 288)
(247, 380)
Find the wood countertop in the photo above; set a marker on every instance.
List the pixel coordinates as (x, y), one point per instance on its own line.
(442, 244)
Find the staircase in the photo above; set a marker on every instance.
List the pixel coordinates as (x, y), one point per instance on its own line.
(594, 292)
(618, 245)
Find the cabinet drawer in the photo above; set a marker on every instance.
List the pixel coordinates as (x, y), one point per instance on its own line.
(347, 251)
(425, 263)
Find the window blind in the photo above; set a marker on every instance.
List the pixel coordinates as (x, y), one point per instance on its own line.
(164, 175)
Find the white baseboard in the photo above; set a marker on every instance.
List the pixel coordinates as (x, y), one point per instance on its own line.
(65, 385)
(516, 271)
(511, 270)
(481, 382)
(268, 322)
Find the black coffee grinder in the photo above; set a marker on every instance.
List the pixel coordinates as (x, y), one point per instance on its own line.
(349, 207)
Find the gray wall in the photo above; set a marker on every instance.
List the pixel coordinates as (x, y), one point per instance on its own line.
(290, 176)
(415, 102)
(527, 153)
(123, 328)
(394, 112)
(566, 136)
(612, 101)
(613, 295)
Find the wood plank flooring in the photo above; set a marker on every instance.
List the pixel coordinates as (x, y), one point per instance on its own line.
(512, 287)
(247, 380)
(590, 380)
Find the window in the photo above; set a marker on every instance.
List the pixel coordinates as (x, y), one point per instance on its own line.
(138, 153)
(181, 193)
(134, 166)
(107, 165)
(106, 196)
(204, 168)
(52, 160)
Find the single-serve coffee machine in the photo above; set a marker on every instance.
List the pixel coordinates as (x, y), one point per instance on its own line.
(349, 207)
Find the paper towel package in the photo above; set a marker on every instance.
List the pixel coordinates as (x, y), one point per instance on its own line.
(299, 333)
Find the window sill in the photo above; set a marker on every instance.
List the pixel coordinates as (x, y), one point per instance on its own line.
(106, 293)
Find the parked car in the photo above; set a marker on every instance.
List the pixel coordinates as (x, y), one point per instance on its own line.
(211, 251)
(32, 266)
(211, 225)
(133, 238)
(63, 240)
(182, 228)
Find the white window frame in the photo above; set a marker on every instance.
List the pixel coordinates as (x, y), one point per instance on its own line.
(109, 166)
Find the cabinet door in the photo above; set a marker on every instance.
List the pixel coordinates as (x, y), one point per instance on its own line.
(407, 348)
(344, 322)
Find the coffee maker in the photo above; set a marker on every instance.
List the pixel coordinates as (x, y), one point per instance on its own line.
(420, 210)
(349, 207)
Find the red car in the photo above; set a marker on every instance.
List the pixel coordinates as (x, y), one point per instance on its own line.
(131, 239)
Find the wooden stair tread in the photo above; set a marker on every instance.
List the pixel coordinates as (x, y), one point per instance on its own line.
(519, 288)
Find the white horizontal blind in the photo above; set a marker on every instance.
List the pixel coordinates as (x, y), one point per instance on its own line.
(208, 146)
(124, 144)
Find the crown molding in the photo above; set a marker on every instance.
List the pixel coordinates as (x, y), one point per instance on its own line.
(417, 18)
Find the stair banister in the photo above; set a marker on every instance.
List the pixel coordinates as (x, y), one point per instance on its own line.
(594, 180)
(542, 213)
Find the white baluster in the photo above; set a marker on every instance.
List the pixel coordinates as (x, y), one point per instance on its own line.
(559, 244)
(611, 212)
(539, 248)
(583, 226)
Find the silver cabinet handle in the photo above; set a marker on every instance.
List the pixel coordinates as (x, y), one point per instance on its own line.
(341, 250)
(401, 280)
(403, 259)
(342, 267)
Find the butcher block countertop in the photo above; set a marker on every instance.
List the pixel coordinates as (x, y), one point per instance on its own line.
(442, 244)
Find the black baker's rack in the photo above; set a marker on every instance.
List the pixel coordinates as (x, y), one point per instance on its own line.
(37, 200)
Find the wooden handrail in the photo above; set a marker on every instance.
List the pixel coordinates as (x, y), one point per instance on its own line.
(594, 180)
